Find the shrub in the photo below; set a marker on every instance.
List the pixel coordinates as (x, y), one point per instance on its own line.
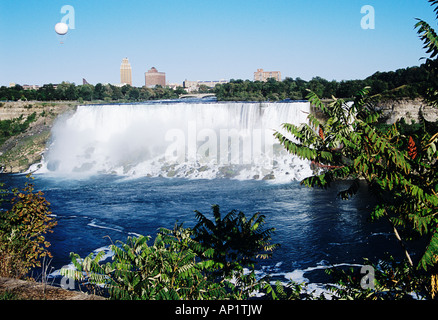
(183, 263)
(392, 280)
(236, 240)
(22, 229)
(400, 170)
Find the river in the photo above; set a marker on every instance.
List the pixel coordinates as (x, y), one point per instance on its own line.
(116, 171)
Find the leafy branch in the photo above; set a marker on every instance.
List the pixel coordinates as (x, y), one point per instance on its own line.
(400, 170)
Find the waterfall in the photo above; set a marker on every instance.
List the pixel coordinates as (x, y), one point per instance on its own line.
(200, 140)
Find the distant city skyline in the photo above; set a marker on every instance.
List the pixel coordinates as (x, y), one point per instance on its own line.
(206, 40)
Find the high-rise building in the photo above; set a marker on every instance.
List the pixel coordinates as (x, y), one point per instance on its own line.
(126, 72)
(263, 76)
(153, 78)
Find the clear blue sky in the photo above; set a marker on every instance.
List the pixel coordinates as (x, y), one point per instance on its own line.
(206, 39)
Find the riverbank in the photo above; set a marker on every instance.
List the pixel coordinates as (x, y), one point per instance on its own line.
(20, 151)
(15, 289)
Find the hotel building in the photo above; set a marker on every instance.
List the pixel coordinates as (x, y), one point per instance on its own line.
(126, 72)
(153, 78)
(263, 76)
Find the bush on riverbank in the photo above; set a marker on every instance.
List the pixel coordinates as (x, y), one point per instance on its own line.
(22, 229)
(398, 163)
(204, 263)
(9, 128)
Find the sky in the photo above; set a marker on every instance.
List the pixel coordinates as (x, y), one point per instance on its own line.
(206, 39)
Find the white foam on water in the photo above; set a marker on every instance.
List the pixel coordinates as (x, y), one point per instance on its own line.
(95, 224)
(177, 140)
(298, 276)
(108, 253)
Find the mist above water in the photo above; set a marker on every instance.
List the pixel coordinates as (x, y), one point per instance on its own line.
(201, 140)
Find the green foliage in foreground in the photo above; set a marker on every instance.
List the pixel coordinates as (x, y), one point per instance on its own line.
(214, 260)
(175, 266)
(429, 38)
(181, 264)
(22, 230)
(236, 240)
(391, 280)
(400, 170)
(399, 167)
(167, 269)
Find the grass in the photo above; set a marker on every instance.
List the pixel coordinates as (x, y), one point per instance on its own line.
(9, 295)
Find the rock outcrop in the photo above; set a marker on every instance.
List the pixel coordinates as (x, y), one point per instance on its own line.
(407, 109)
(19, 152)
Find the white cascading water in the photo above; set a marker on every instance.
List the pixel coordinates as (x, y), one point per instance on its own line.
(177, 139)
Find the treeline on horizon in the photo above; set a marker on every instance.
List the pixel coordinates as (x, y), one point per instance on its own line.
(88, 92)
(409, 83)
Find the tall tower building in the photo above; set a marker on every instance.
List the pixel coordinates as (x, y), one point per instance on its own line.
(263, 76)
(126, 72)
(153, 78)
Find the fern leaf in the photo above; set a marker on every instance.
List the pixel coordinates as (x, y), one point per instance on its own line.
(429, 37)
(430, 256)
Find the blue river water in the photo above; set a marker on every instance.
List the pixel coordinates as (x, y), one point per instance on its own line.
(314, 228)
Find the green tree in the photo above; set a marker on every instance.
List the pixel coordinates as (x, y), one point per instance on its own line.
(317, 85)
(99, 91)
(116, 92)
(60, 91)
(47, 92)
(146, 94)
(330, 89)
(236, 240)
(86, 92)
(174, 267)
(204, 89)
(430, 39)
(392, 280)
(125, 89)
(348, 89)
(180, 90)
(133, 94)
(71, 92)
(187, 263)
(399, 169)
(166, 270)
